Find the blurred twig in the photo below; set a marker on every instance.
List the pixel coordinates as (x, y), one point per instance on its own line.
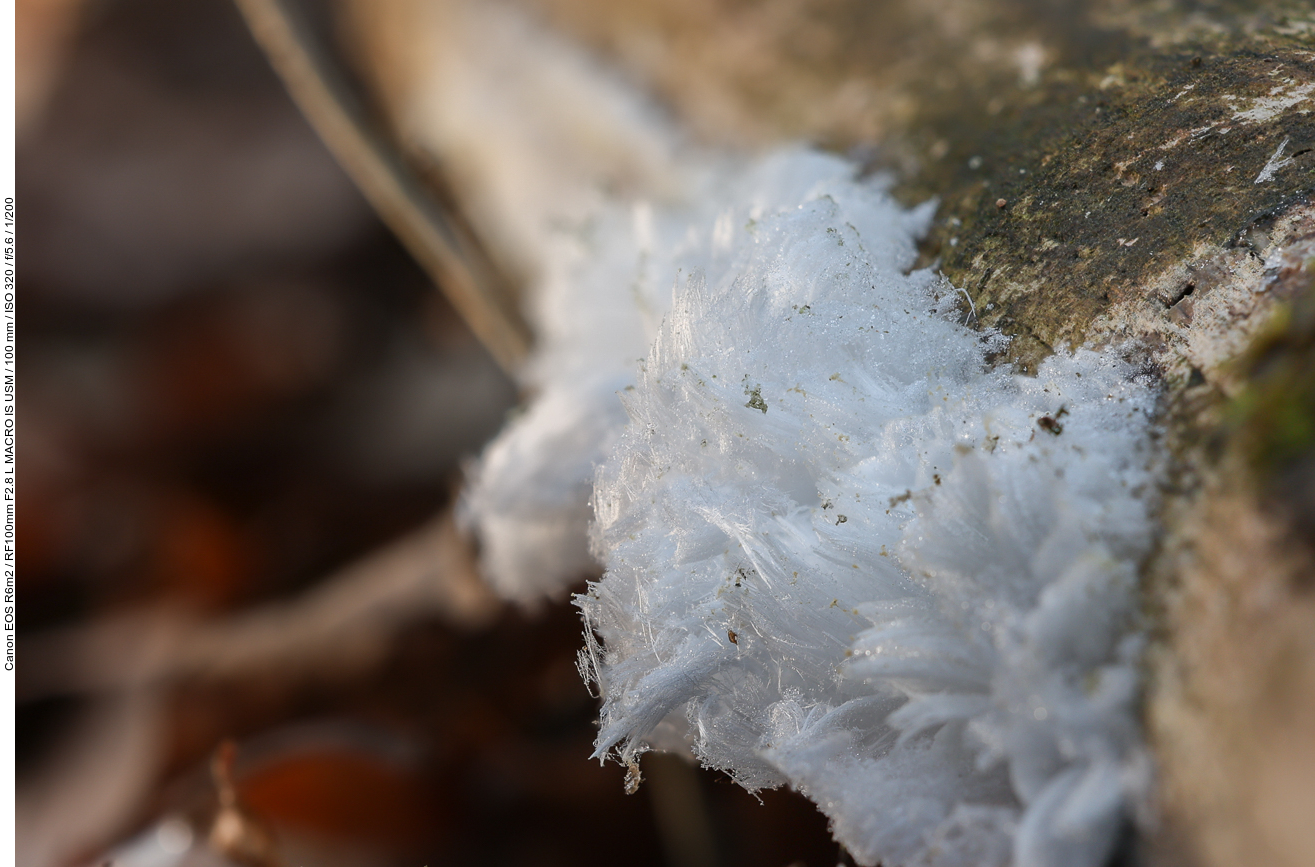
(235, 833)
(86, 792)
(451, 256)
(343, 626)
(43, 33)
(680, 811)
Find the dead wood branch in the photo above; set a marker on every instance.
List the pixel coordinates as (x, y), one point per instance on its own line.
(341, 627)
(451, 255)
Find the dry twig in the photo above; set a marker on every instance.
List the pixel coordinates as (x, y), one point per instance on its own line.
(451, 255)
(342, 626)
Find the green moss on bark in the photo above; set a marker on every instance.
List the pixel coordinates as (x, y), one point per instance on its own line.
(1272, 420)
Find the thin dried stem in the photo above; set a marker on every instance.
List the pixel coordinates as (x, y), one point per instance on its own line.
(451, 255)
(344, 626)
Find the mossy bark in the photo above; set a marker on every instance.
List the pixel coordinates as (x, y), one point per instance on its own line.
(1110, 171)
(1078, 149)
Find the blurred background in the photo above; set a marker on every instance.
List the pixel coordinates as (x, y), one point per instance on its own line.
(244, 412)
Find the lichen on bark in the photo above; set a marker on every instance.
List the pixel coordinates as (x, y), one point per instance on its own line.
(1078, 149)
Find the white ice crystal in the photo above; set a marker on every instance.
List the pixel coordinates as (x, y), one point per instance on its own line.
(844, 554)
(577, 182)
(605, 287)
(841, 551)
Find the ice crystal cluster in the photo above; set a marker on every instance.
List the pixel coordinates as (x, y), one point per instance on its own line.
(841, 551)
(607, 272)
